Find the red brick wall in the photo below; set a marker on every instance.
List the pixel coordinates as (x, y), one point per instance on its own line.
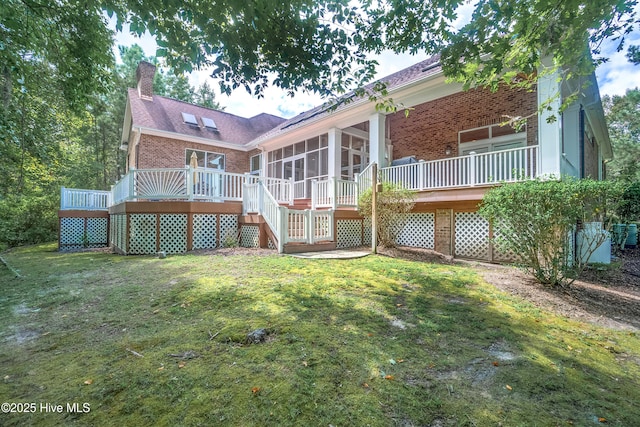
(159, 152)
(432, 126)
(144, 77)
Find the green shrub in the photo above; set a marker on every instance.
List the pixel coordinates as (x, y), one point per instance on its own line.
(393, 205)
(27, 220)
(629, 209)
(535, 220)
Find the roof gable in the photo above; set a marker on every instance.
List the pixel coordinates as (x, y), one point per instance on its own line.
(167, 114)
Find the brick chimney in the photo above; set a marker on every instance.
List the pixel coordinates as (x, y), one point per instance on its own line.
(144, 76)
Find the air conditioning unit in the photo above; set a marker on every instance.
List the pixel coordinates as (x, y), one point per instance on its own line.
(594, 237)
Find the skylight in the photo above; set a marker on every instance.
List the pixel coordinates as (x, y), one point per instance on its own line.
(189, 119)
(209, 123)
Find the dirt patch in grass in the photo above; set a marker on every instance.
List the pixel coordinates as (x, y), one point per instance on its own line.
(236, 251)
(608, 297)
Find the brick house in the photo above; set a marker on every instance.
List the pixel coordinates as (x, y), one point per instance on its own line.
(294, 183)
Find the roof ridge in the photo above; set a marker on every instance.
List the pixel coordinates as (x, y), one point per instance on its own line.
(193, 104)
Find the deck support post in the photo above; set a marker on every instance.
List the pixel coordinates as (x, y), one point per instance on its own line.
(374, 213)
(314, 194)
(334, 193)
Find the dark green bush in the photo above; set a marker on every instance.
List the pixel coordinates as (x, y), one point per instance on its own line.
(26, 220)
(629, 209)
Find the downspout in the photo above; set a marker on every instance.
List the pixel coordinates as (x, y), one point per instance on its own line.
(134, 145)
(581, 142)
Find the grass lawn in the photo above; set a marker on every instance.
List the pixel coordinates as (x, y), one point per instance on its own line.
(372, 341)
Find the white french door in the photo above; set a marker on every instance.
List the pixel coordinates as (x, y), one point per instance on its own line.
(294, 168)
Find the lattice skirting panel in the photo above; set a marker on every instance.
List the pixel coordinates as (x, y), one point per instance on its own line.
(349, 233)
(142, 234)
(118, 233)
(112, 230)
(149, 233)
(228, 230)
(71, 233)
(97, 232)
(418, 231)
(499, 256)
(250, 236)
(205, 231)
(78, 233)
(366, 232)
(270, 244)
(471, 236)
(173, 233)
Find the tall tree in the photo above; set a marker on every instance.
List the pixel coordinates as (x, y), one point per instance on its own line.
(178, 87)
(205, 96)
(623, 117)
(323, 46)
(316, 45)
(70, 36)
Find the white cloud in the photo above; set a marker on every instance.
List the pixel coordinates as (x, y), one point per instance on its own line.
(464, 14)
(618, 74)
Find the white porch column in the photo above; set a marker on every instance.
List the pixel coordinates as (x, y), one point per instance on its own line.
(335, 153)
(549, 134)
(263, 164)
(377, 139)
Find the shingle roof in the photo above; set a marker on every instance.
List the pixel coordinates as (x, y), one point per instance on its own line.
(422, 69)
(165, 114)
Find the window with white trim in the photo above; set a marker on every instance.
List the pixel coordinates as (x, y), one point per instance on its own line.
(206, 159)
(491, 138)
(303, 161)
(255, 164)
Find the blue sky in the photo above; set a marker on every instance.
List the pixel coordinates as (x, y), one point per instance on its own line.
(614, 78)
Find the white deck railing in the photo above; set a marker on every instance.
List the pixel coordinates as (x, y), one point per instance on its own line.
(334, 193)
(287, 225)
(365, 179)
(321, 228)
(181, 183)
(203, 184)
(512, 165)
(161, 183)
(218, 185)
(90, 200)
(280, 189)
(250, 202)
(120, 190)
(308, 226)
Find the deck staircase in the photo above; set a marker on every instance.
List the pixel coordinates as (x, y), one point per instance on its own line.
(291, 230)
